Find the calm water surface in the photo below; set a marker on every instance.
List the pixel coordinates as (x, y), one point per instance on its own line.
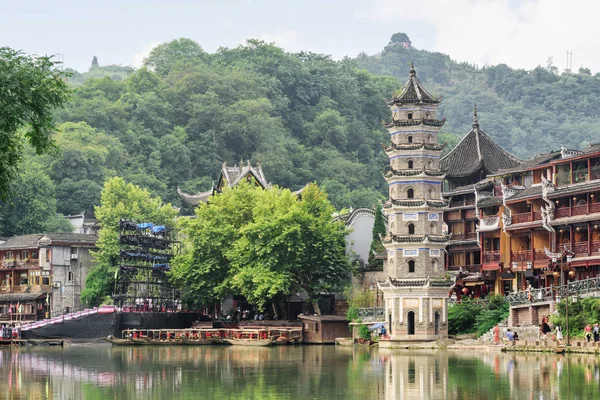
(295, 372)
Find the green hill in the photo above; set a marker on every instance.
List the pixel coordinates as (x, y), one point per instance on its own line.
(304, 117)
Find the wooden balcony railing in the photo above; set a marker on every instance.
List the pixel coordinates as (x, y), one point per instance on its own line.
(32, 263)
(580, 248)
(595, 246)
(562, 212)
(491, 256)
(473, 268)
(540, 255)
(520, 218)
(471, 235)
(470, 214)
(537, 216)
(579, 210)
(594, 208)
(458, 236)
(457, 203)
(522, 255)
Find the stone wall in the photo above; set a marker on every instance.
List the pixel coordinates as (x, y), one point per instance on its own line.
(530, 314)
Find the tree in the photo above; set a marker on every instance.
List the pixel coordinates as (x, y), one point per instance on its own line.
(32, 206)
(400, 38)
(261, 243)
(379, 231)
(119, 200)
(31, 88)
(164, 57)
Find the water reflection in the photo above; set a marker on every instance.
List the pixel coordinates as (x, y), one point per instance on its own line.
(98, 372)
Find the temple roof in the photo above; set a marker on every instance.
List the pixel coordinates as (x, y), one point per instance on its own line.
(476, 151)
(413, 92)
(229, 176)
(34, 241)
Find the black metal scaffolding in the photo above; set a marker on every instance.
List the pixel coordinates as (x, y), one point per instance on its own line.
(146, 251)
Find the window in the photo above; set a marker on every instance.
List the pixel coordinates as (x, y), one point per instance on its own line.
(428, 138)
(48, 255)
(70, 276)
(25, 254)
(427, 115)
(411, 229)
(430, 193)
(45, 277)
(409, 115)
(411, 266)
(316, 327)
(410, 164)
(410, 194)
(9, 255)
(409, 139)
(435, 265)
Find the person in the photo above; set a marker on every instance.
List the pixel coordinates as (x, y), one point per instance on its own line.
(588, 332)
(516, 336)
(559, 335)
(510, 336)
(382, 331)
(497, 334)
(596, 332)
(261, 317)
(545, 328)
(256, 317)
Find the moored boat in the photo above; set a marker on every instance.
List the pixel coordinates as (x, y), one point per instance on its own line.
(119, 342)
(250, 342)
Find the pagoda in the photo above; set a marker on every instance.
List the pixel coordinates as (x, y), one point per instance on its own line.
(416, 290)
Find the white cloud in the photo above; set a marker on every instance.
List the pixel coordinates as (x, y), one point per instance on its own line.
(522, 34)
(138, 58)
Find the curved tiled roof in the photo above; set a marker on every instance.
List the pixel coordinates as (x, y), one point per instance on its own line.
(413, 92)
(477, 150)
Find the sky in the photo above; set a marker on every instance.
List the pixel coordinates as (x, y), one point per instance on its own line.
(519, 33)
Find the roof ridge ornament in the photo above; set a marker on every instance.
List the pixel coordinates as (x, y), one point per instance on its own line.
(475, 118)
(412, 69)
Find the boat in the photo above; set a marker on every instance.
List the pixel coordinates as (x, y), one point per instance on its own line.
(119, 342)
(559, 350)
(200, 341)
(250, 342)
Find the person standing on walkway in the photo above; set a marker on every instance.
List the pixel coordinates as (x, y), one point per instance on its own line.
(559, 335)
(588, 332)
(596, 332)
(497, 334)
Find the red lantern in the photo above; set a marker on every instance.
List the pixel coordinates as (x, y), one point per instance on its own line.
(465, 291)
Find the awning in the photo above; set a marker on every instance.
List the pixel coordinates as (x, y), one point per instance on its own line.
(529, 273)
(378, 325)
(14, 297)
(507, 275)
(473, 283)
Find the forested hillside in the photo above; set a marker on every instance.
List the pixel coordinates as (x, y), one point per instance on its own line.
(526, 112)
(304, 117)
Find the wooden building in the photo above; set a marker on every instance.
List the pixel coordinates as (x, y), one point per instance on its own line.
(323, 329)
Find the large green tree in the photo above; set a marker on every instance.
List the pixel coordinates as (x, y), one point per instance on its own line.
(263, 243)
(119, 200)
(31, 88)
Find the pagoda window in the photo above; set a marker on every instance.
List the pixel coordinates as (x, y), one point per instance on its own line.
(411, 229)
(427, 115)
(430, 164)
(410, 139)
(430, 193)
(410, 193)
(411, 266)
(434, 265)
(410, 164)
(429, 138)
(409, 115)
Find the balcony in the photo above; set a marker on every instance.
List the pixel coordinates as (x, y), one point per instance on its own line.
(562, 212)
(540, 255)
(31, 263)
(471, 235)
(580, 248)
(24, 288)
(458, 236)
(537, 216)
(521, 218)
(522, 255)
(473, 268)
(579, 210)
(491, 256)
(595, 246)
(470, 214)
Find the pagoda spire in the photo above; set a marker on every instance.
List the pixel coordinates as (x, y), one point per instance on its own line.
(475, 119)
(412, 69)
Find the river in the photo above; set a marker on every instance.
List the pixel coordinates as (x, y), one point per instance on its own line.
(291, 372)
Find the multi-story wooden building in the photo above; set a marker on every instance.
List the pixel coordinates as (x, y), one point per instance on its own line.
(42, 274)
(468, 192)
(416, 290)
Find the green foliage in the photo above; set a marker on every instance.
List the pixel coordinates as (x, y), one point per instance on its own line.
(32, 206)
(582, 312)
(400, 37)
(119, 200)
(364, 332)
(261, 243)
(379, 231)
(471, 316)
(352, 313)
(31, 88)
